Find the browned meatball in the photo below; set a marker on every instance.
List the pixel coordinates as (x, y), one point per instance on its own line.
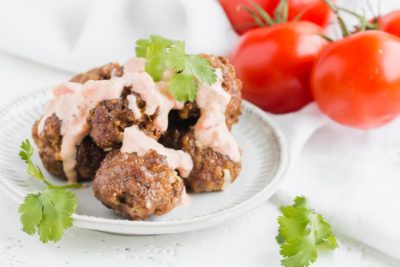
(137, 187)
(102, 73)
(109, 118)
(89, 156)
(172, 138)
(230, 83)
(211, 170)
(49, 145)
(209, 167)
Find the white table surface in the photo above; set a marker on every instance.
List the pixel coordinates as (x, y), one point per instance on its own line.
(246, 241)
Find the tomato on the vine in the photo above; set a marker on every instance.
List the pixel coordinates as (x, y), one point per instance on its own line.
(390, 23)
(275, 64)
(316, 11)
(356, 80)
(241, 21)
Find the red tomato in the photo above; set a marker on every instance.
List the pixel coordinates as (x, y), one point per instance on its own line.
(241, 21)
(275, 64)
(356, 80)
(390, 23)
(314, 10)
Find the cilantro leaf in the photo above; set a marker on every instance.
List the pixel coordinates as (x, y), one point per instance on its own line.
(58, 207)
(48, 213)
(176, 57)
(154, 51)
(299, 252)
(26, 154)
(26, 150)
(301, 233)
(201, 69)
(141, 47)
(31, 213)
(183, 87)
(165, 55)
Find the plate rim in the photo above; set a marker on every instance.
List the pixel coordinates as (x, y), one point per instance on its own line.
(182, 225)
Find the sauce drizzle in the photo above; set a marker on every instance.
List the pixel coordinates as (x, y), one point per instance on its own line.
(211, 128)
(137, 141)
(72, 103)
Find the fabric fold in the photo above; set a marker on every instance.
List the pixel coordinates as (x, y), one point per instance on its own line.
(78, 35)
(351, 176)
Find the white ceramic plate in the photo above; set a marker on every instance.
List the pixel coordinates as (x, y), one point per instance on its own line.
(265, 158)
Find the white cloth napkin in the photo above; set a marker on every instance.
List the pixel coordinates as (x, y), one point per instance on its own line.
(76, 35)
(350, 176)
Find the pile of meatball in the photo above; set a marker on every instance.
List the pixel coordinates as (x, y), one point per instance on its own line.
(134, 186)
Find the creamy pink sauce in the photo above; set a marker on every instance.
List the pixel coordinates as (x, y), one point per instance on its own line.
(211, 129)
(132, 104)
(73, 101)
(134, 65)
(137, 141)
(154, 95)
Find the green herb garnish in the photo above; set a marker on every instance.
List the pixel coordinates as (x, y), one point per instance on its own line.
(301, 233)
(49, 212)
(168, 55)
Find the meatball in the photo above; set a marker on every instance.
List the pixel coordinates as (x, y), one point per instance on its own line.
(172, 138)
(230, 83)
(211, 170)
(109, 118)
(49, 145)
(89, 156)
(137, 187)
(102, 73)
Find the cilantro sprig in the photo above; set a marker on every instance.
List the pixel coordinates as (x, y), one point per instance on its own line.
(301, 233)
(49, 212)
(168, 55)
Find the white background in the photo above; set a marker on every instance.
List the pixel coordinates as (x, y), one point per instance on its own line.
(246, 241)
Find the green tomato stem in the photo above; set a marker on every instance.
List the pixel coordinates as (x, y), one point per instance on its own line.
(264, 15)
(364, 24)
